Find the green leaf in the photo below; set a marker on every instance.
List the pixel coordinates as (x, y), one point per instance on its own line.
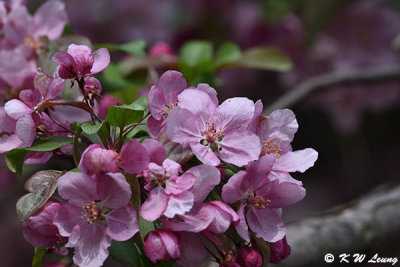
(90, 128)
(263, 248)
(196, 58)
(124, 115)
(126, 252)
(145, 227)
(276, 9)
(112, 74)
(136, 48)
(228, 53)
(266, 58)
(232, 167)
(38, 257)
(15, 158)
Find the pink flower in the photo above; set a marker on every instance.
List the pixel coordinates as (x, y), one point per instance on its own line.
(97, 210)
(162, 99)
(80, 61)
(212, 131)
(161, 49)
(261, 197)
(276, 132)
(249, 257)
(161, 245)
(106, 101)
(39, 229)
(279, 250)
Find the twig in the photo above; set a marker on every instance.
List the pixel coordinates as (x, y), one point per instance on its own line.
(333, 79)
(369, 225)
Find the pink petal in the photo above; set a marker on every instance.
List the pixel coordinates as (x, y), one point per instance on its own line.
(83, 58)
(26, 130)
(266, 224)
(101, 60)
(30, 97)
(281, 124)
(180, 184)
(171, 243)
(258, 172)
(179, 204)
(114, 191)
(209, 91)
(257, 118)
(223, 218)
(240, 148)
(198, 103)
(37, 157)
(155, 149)
(97, 160)
(205, 154)
(235, 114)
(78, 188)
(155, 204)
(14, 68)
(183, 127)
(299, 160)
(171, 168)
(207, 177)
(7, 124)
(66, 218)
(155, 127)
(157, 103)
(241, 228)
(68, 68)
(122, 223)
(283, 194)
(9, 142)
(233, 189)
(133, 157)
(282, 177)
(154, 247)
(50, 19)
(17, 109)
(92, 247)
(192, 250)
(171, 83)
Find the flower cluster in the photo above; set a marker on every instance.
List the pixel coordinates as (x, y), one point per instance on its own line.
(206, 172)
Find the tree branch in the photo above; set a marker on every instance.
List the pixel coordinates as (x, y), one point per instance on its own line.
(370, 225)
(333, 79)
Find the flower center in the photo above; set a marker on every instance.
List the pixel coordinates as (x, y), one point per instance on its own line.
(32, 42)
(211, 135)
(159, 180)
(91, 212)
(169, 108)
(270, 147)
(258, 201)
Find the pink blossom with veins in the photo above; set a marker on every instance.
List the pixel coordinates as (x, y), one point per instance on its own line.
(97, 210)
(212, 131)
(162, 245)
(260, 197)
(79, 61)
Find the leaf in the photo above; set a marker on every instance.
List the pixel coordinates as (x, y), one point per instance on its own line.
(145, 227)
(90, 128)
(124, 115)
(38, 257)
(136, 48)
(263, 247)
(276, 9)
(232, 167)
(266, 58)
(75, 149)
(196, 59)
(228, 53)
(15, 158)
(126, 252)
(112, 74)
(41, 186)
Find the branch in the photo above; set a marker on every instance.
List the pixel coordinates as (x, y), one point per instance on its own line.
(370, 225)
(333, 79)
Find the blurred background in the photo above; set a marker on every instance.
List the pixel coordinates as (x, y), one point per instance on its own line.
(353, 127)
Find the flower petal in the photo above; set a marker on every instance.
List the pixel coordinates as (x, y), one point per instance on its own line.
(26, 130)
(296, 161)
(233, 189)
(17, 109)
(9, 142)
(183, 126)
(179, 204)
(198, 103)
(241, 228)
(171, 83)
(114, 191)
(157, 103)
(155, 149)
(266, 224)
(207, 177)
(133, 157)
(281, 124)
(155, 204)
(50, 19)
(101, 60)
(68, 68)
(204, 154)
(78, 188)
(235, 114)
(66, 218)
(122, 223)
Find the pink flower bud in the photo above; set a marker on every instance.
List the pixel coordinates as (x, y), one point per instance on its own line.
(161, 245)
(97, 161)
(107, 101)
(249, 257)
(279, 250)
(161, 49)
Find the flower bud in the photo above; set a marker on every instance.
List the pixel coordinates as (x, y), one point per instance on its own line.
(249, 257)
(161, 245)
(161, 49)
(279, 250)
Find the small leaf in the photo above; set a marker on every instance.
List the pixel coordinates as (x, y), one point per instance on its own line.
(38, 257)
(136, 48)
(41, 186)
(124, 115)
(266, 58)
(228, 53)
(90, 128)
(126, 252)
(112, 74)
(145, 227)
